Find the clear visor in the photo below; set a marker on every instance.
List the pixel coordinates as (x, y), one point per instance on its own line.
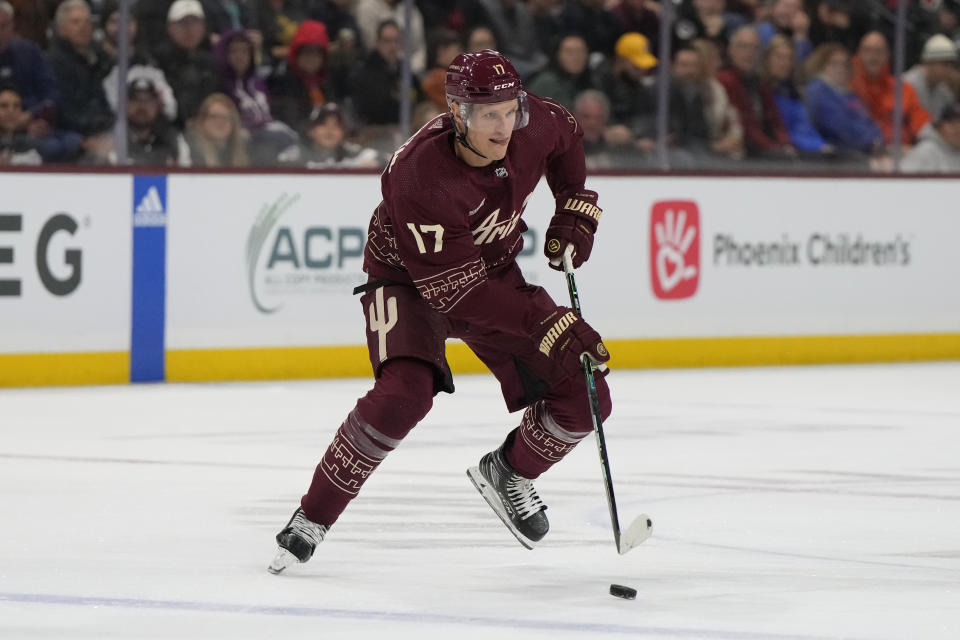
(469, 110)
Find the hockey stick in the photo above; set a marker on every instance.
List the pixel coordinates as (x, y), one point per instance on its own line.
(641, 528)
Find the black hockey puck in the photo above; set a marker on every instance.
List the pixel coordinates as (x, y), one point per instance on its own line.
(623, 592)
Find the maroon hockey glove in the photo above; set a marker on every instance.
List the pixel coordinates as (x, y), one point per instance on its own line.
(574, 223)
(564, 338)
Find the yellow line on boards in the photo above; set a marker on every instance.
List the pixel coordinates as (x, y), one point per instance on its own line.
(287, 363)
(782, 350)
(267, 363)
(349, 361)
(40, 369)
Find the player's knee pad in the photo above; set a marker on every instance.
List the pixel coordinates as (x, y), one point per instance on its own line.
(401, 397)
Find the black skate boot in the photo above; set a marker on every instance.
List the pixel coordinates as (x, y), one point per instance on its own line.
(297, 541)
(511, 496)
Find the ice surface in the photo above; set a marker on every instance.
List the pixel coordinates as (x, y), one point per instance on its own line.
(807, 503)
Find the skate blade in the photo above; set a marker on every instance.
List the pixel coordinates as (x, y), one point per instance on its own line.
(492, 499)
(638, 532)
(281, 561)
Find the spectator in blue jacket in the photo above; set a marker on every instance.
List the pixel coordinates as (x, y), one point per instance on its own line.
(24, 66)
(778, 73)
(836, 111)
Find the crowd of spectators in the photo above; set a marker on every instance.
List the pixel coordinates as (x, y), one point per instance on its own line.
(318, 83)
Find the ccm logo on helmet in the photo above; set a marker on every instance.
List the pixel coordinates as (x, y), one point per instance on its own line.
(506, 85)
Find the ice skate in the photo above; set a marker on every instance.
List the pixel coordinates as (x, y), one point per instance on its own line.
(512, 497)
(297, 541)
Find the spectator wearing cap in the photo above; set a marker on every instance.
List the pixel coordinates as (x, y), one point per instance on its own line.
(764, 132)
(938, 150)
(24, 66)
(875, 85)
(515, 28)
(80, 66)
(568, 74)
(302, 83)
(157, 80)
(185, 59)
(151, 139)
(371, 14)
(215, 137)
(835, 109)
(327, 145)
(931, 78)
(629, 83)
(271, 141)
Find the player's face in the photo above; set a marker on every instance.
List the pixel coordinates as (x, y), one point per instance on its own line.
(491, 126)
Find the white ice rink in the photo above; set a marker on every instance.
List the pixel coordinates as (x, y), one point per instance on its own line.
(791, 503)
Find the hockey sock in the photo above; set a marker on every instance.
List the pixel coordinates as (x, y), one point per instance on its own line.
(552, 427)
(401, 397)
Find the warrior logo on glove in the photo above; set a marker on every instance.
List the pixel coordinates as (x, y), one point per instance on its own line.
(574, 223)
(554, 332)
(567, 338)
(587, 208)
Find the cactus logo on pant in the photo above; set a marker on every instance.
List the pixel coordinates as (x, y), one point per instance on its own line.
(674, 249)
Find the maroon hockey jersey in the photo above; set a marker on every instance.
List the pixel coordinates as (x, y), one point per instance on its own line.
(450, 229)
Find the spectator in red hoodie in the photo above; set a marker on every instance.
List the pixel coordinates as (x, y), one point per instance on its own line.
(764, 132)
(301, 84)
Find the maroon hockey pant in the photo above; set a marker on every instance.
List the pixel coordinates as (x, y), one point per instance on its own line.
(402, 396)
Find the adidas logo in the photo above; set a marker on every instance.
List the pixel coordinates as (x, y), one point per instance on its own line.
(150, 212)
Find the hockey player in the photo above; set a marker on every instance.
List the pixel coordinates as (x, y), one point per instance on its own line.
(441, 258)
